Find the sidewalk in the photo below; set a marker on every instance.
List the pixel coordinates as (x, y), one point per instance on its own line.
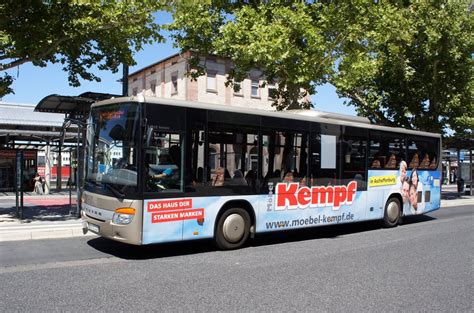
(44, 216)
(49, 216)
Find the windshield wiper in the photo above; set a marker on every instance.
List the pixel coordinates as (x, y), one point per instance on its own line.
(118, 193)
(92, 182)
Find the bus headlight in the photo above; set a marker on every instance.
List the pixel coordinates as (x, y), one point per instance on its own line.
(123, 216)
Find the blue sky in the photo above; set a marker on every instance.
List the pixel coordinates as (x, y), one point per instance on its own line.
(34, 83)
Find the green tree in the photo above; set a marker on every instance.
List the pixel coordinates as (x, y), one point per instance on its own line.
(400, 63)
(412, 66)
(276, 36)
(78, 34)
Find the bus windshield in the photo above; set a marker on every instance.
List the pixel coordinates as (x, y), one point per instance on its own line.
(112, 151)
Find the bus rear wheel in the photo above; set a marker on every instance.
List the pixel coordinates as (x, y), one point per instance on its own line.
(393, 212)
(233, 229)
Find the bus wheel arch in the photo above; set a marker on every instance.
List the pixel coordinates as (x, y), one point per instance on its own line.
(233, 224)
(393, 211)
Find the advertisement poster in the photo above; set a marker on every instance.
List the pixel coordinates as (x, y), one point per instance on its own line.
(291, 205)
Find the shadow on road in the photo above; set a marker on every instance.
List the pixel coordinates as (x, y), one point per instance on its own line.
(131, 252)
(60, 212)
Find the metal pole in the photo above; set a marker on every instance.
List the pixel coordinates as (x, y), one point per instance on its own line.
(125, 80)
(17, 199)
(19, 184)
(78, 187)
(470, 170)
(59, 169)
(458, 170)
(47, 168)
(21, 188)
(70, 195)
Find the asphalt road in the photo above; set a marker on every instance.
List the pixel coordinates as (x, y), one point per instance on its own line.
(424, 265)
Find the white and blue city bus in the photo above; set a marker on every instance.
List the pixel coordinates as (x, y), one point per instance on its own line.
(160, 170)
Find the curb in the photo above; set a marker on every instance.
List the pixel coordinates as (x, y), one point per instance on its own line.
(40, 230)
(456, 202)
(74, 196)
(34, 232)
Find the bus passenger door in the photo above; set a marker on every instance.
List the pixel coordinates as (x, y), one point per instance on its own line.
(354, 168)
(161, 224)
(165, 208)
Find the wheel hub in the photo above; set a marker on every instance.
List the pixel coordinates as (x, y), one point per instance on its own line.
(233, 228)
(392, 212)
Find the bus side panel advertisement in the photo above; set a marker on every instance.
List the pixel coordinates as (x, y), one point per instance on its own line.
(420, 190)
(169, 220)
(290, 206)
(293, 206)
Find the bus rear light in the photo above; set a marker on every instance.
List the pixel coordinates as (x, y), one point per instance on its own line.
(123, 216)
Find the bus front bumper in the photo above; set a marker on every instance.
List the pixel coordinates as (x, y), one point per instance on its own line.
(104, 226)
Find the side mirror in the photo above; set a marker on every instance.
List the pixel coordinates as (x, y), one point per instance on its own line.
(149, 134)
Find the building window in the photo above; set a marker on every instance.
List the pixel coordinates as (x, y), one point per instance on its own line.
(153, 87)
(238, 88)
(41, 160)
(272, 91)
(211, 82)
(255, 88)
(134, 91)
(174, 83)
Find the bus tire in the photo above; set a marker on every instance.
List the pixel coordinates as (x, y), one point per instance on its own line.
(233, 229)
(392, 213)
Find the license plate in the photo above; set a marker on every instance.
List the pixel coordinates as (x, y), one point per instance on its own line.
(93, 228)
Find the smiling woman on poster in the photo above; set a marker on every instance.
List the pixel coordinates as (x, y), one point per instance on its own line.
(415, 181)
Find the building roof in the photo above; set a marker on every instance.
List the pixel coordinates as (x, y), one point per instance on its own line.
(21, 126)
(153, 64)
(24, 114)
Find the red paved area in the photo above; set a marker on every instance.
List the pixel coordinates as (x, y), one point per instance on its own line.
(48, 201)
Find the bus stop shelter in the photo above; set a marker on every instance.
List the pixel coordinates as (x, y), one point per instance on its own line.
(54, 126)
(75, 109)
(22, 130)
(464, 148)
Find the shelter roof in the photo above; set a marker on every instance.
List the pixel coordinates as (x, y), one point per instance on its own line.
(71, 104)
(24, 114)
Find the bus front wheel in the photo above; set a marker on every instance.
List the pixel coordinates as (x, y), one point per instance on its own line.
(393, 212)
(233, 229)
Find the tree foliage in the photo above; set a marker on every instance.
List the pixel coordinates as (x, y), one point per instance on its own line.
(78, 34)
(413, 67)
(401, 63)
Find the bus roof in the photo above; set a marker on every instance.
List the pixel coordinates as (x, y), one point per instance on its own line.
(301, 115)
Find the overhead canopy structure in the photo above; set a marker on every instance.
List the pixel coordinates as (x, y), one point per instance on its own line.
(20, 125)
(23, 127)
(466, 143)
(58, 128)
(74, 106)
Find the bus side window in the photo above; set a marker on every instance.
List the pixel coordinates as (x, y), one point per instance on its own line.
(425, 163)
(354, 151)
(325, 160)
(232, 157)
(163, 159)
(374, 154)
(386, 150)
(423, 153)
